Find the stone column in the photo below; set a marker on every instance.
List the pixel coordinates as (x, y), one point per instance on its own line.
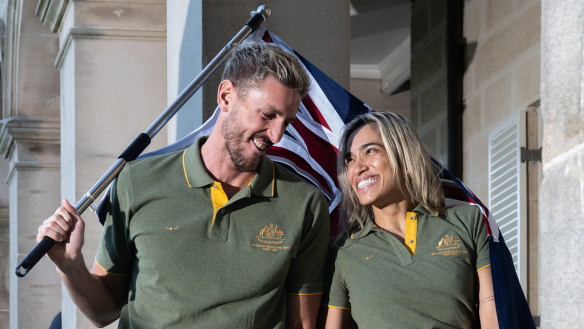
(199, 29)
(6, 271)
(32, 147)
(112, 63)
(29, 140)
(562, 189)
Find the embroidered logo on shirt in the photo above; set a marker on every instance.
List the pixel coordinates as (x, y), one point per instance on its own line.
(449, 245)
(170, 228)
(270, 238)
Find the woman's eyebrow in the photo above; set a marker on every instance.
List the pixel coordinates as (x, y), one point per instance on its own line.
(364, 146)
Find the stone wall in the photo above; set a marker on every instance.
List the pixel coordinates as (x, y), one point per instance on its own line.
(562, 190)
(369, 91)
(502, 81)
(502, 75)
(428, 75)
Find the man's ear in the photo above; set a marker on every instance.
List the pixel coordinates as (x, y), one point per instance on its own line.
(225, 95)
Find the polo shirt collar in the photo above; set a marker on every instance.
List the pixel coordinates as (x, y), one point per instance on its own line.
(370, 226)
(262, 184)
(423, 210)
(194, 170)
(264, 181)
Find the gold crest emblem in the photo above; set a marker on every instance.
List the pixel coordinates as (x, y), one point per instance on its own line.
(449, 245)
(271, 234)
(270, 238)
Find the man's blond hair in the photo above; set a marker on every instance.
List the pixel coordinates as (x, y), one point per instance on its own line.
(251, 63)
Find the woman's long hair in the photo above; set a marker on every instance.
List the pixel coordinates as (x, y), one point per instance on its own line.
(413, 170)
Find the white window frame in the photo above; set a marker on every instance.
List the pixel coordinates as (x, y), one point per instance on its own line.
(508, 188)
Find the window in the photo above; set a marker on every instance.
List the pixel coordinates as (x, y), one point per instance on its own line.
(507, 189)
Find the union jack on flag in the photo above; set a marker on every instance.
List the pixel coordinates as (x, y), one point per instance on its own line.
(310, 145)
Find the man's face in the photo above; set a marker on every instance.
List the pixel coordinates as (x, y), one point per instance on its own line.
(256, 120)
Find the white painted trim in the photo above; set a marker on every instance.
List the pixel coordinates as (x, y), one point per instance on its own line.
(362, 71)
(507, 187)
(393, 70)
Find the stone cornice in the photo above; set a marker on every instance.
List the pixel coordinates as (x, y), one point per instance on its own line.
(18, 129)
(99, 32)
(51, 13)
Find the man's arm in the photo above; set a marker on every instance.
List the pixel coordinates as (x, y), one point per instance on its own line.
(302, 311)
(98, 294)
(487, 310)
(337, 318)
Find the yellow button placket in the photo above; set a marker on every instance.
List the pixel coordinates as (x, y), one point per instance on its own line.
(219, 199)
(411, 232)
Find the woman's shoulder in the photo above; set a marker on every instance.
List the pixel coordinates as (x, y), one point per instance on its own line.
(464, 211)
(467, 216)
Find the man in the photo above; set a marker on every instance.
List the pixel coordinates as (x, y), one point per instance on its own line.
(214, 236)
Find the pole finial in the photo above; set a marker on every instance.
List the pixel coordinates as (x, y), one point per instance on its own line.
(262, 10)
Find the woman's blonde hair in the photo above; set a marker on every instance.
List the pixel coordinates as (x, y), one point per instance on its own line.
(416, 175)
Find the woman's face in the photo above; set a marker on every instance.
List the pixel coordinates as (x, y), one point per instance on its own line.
(369, 170)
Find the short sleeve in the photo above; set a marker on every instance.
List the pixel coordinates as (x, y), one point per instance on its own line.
(336, 292)
(115, 251)
(481, 239)
(305, 276)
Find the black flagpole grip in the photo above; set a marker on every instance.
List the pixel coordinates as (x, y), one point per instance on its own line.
(34, 256)
(258, 17)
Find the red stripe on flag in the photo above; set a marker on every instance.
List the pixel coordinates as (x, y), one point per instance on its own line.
(267, 38)
(320, 150)
(300, 163)
(314, 111)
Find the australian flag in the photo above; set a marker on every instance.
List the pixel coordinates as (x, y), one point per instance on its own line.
(310, 145)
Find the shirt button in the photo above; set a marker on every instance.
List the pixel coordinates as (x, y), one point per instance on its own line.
(413, 217)
(411, 241)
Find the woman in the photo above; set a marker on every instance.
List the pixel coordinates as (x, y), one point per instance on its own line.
(405, 261)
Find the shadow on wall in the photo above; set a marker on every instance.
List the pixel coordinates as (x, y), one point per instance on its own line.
(470, 50)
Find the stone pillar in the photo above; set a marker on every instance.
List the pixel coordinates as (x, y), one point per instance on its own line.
(112, 63)
(198, 29)
(562, 188)
(5, 270)
(29, 140)
(32, 147)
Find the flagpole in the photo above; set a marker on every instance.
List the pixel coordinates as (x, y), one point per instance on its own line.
(143, 140)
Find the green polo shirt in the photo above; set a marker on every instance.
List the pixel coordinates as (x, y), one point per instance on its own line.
(428, 282)
(199, 261)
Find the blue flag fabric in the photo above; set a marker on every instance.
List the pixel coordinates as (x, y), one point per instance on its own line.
(309, 147)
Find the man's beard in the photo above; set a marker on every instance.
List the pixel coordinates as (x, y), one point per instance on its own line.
(236, 148)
